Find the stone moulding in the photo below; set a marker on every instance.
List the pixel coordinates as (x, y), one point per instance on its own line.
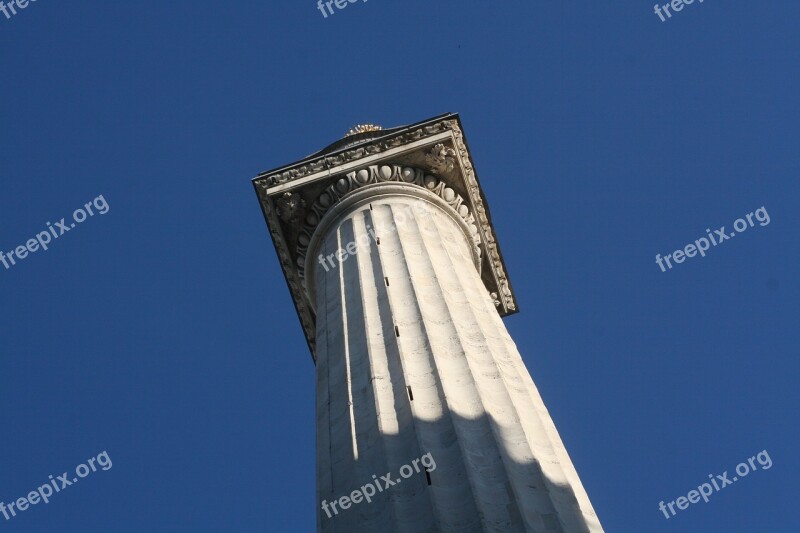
(375, 174)
(433, 198)
(293, 197)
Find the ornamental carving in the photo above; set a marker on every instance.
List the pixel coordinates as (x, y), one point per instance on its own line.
(378, 174)
(290, 206)
(442, 158)
(446, 161)
(331, 161)
(506, 296)
(362, 128)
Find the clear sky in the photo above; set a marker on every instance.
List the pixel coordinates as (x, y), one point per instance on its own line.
(162, 331)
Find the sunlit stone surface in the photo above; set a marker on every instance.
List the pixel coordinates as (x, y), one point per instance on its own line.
(398, 282)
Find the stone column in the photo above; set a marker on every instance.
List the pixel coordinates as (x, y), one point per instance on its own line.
(413, 358)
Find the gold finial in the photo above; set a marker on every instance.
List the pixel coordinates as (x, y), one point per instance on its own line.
(361, 128)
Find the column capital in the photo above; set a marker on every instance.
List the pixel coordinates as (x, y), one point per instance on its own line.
(431, 155)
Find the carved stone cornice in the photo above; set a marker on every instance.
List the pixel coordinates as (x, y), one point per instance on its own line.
(326, 162)
(432, 152)
(504, 295)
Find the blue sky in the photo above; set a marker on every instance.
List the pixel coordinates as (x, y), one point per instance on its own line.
(162, 331)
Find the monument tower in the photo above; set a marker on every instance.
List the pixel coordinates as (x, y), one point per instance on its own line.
(389, 252)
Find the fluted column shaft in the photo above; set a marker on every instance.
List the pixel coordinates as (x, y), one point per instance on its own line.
(413, 358)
